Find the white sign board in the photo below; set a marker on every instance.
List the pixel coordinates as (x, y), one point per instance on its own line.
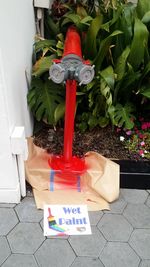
(66, 220)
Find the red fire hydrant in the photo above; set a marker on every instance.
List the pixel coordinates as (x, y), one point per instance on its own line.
(72, 69)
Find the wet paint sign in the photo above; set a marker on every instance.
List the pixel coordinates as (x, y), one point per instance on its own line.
(66, 220)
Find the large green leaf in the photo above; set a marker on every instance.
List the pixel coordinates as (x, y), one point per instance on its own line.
(145, 91)
(109, 76)
(123, 115)
(42, 65)
(139, 44)
(120, 67)
(91, 42)
(106, 84)
(42, 44)
(124, 23)
(131, 77)
(71, 17)
(59, 112)
(52, 27)
(103, 49)
(143, 6)
(146, 17)
(44, 97)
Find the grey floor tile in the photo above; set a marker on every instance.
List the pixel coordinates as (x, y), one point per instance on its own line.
(55, 253)
(7, 205)
(115, 227)
(145, 263)
(118, 206)
(134, 196)
(95, 216)
(4, 249)
(8, 220)
(138, 215)
(25, 238)
(28, 212)
(140, 242)
(87, 262)
(18, 260)
(89, 245)
(148, 201)
(116, 254)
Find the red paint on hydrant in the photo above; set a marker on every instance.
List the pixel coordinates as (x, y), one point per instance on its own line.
(70, 166)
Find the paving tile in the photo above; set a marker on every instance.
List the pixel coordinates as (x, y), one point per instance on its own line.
(7, 205)
(140, 242)
(55, 253)
(4, 249)
(138, 215)
(134, 196)
(117, 254)
(118, 206)
(115, 227)
(89, 245)
(148, 202)
(87, 262)
(18, 260)
(145, 263)
(8, 220)
(27, 211)
(25, 238)
(95, 216)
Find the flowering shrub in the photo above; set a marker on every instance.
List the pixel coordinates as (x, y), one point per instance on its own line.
(137, 140)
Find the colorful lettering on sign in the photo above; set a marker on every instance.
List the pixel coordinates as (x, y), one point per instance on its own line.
(72, 221)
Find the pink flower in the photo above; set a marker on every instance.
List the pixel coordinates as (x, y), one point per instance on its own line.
(141, 136)
(141, 152)
(142, 143)
(129, 132)
(145, 125)
(118, 130)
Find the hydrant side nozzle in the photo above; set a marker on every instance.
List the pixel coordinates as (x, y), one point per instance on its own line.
(57, 73)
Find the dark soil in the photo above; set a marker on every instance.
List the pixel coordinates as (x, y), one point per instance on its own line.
(102, 140)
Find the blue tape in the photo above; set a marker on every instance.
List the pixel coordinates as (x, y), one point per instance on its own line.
(52, 174)
(78, 184)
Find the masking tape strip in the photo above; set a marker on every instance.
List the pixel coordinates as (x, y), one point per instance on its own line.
(52, 174)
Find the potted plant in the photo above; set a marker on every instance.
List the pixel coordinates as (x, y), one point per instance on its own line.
(115, 38)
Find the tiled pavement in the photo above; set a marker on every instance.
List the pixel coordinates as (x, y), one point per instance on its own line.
(120, 237)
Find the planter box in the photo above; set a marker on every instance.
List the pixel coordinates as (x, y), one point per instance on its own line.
(134, 174)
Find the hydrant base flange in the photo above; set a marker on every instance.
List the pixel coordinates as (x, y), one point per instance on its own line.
(75, 166)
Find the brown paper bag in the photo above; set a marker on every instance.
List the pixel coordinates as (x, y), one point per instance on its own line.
(99, 184)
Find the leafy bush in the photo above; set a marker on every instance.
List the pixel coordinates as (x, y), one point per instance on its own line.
(115, 38)
(137, 140)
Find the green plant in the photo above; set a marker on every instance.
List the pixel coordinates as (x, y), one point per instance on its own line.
(137, 140)
(115, 38)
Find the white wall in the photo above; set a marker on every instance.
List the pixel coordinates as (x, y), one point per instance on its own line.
(17, 33)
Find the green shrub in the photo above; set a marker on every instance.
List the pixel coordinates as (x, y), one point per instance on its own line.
(115, 38)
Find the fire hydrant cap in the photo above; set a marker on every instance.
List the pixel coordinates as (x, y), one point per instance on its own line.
(57, 73)
(86, 74)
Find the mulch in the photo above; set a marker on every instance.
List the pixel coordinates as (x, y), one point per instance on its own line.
(102, 140)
